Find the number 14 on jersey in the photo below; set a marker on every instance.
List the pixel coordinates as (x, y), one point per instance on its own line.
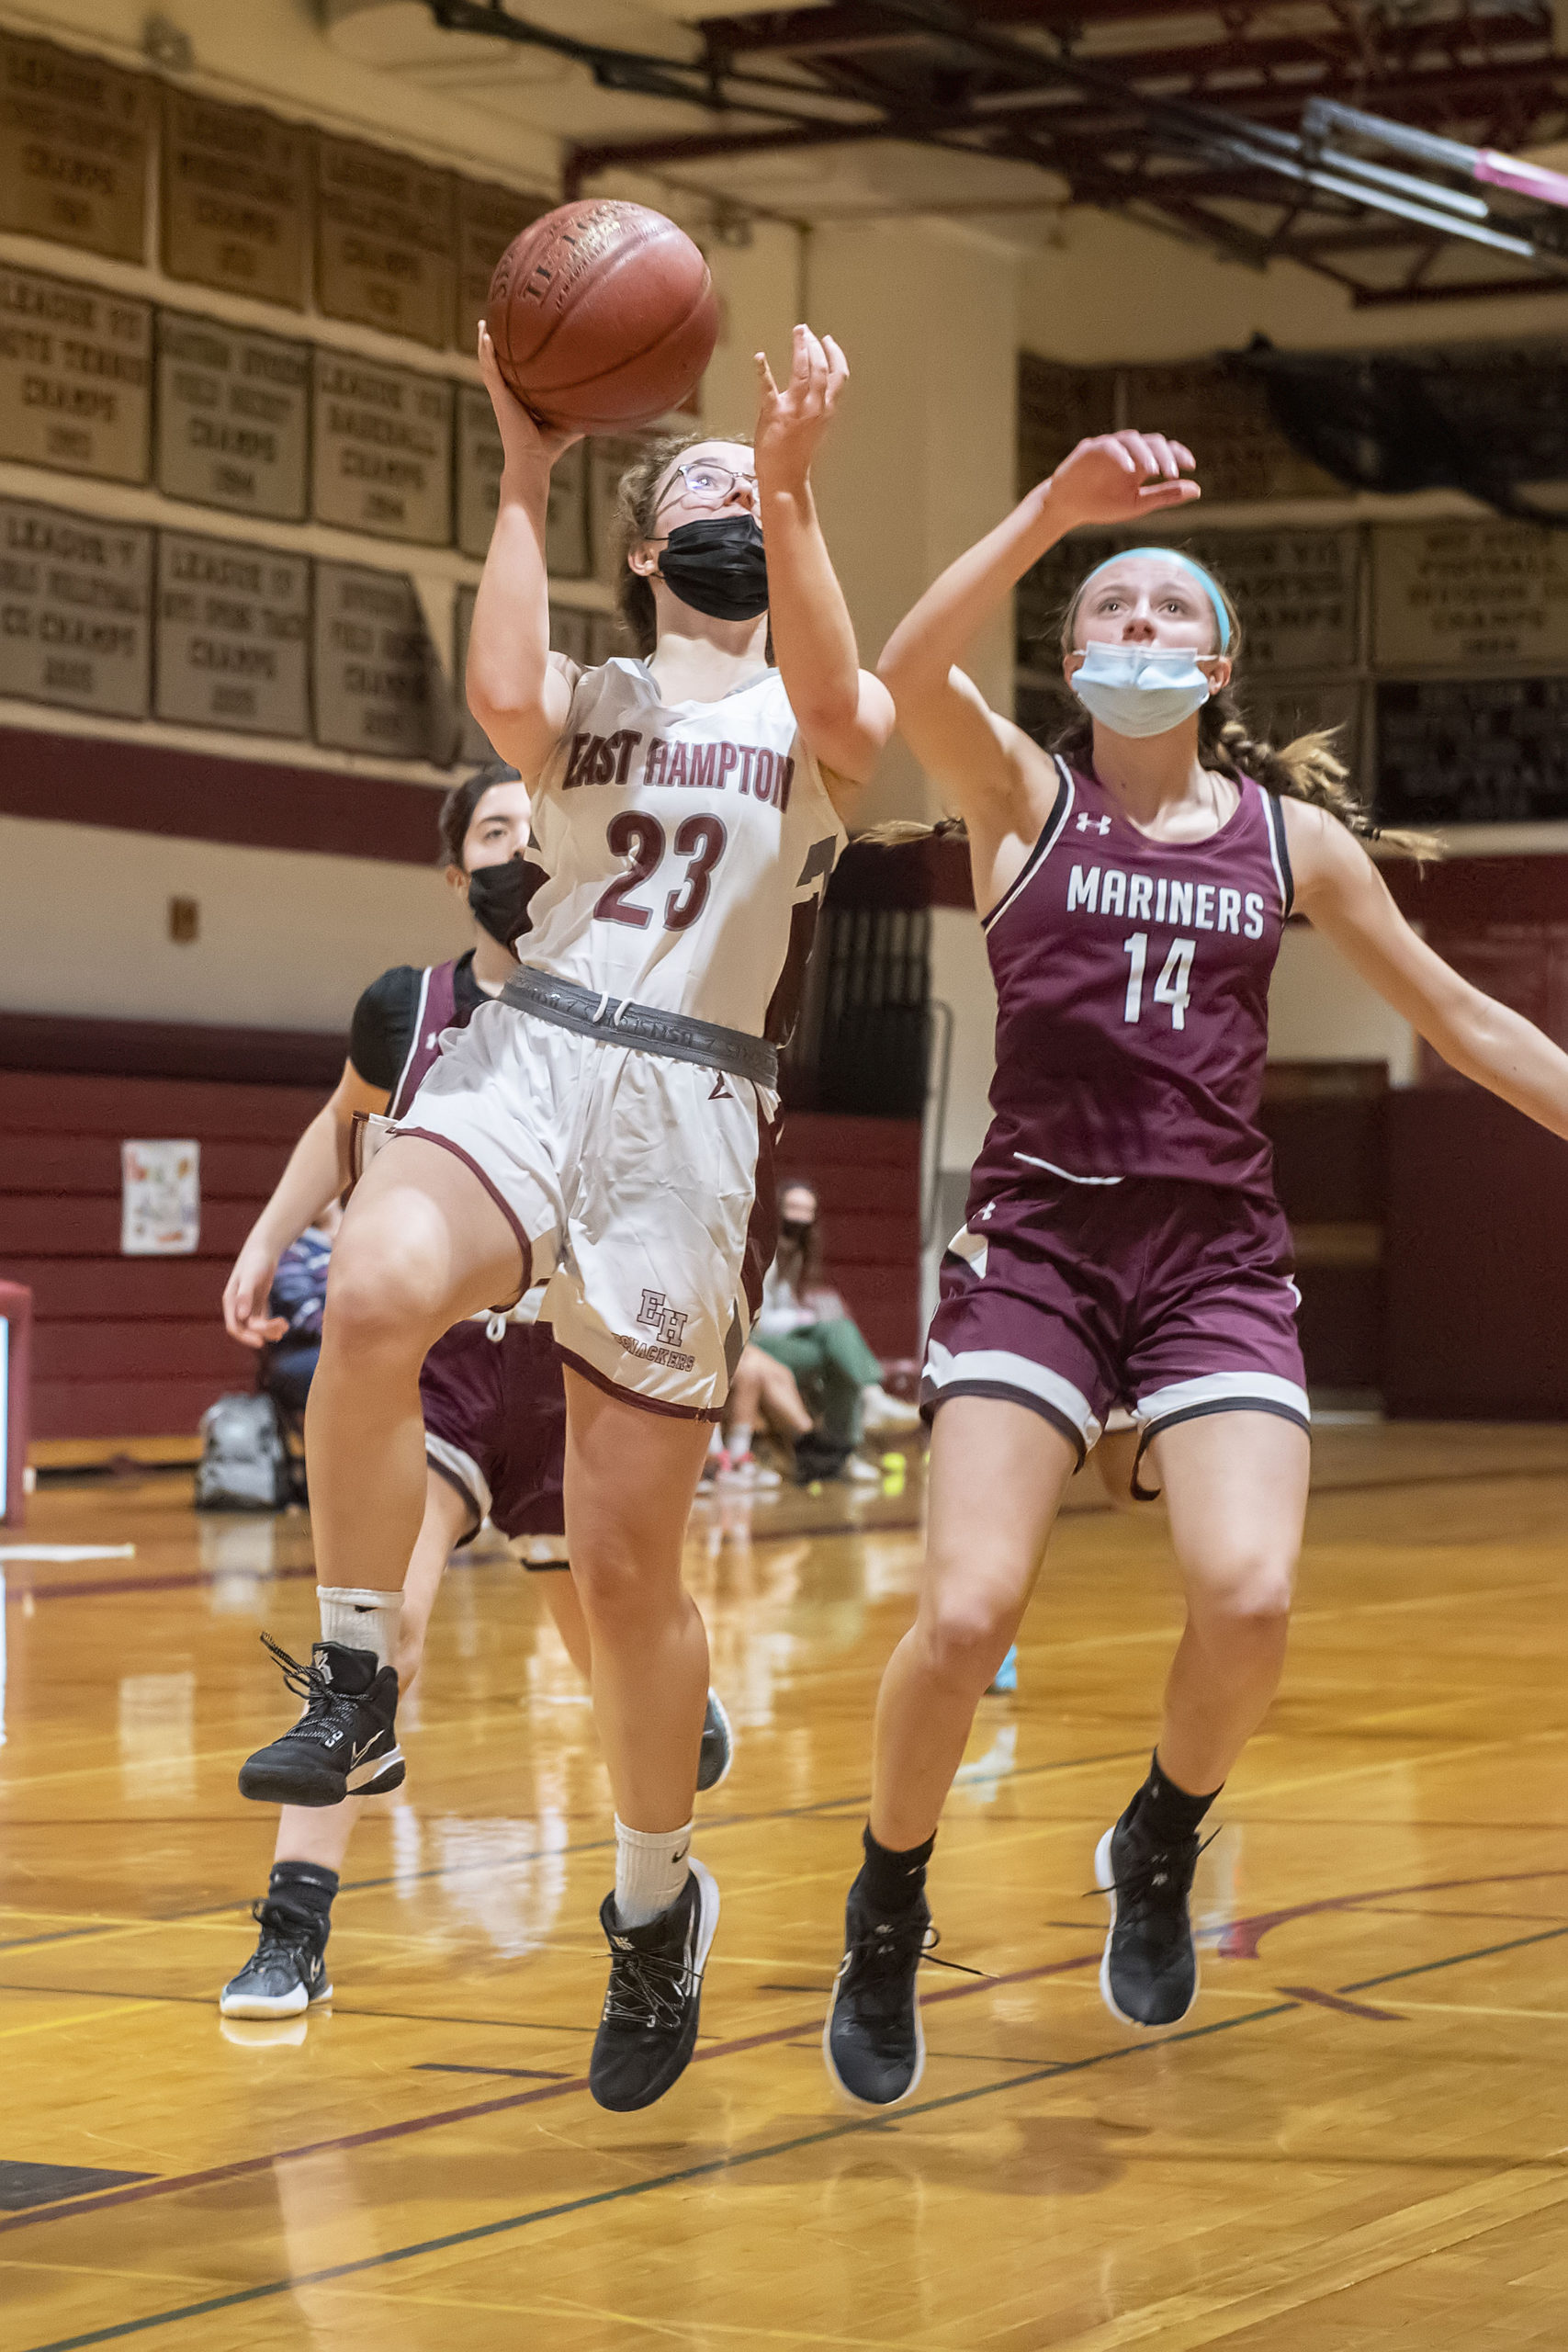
(1174, 984)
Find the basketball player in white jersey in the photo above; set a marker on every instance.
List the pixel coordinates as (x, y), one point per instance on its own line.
(606, 1125)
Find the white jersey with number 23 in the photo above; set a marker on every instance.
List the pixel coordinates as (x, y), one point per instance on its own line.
(687, 846)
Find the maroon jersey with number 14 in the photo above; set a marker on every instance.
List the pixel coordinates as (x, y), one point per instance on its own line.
(1133, 997)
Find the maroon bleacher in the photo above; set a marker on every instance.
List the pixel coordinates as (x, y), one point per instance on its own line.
(135, 1347)
(130, 1347)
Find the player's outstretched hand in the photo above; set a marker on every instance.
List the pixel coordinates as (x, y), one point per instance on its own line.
(1118, 477)
(526, 442)
(790, 422)
(245, 1294)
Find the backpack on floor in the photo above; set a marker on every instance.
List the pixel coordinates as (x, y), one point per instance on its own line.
(244, 1463)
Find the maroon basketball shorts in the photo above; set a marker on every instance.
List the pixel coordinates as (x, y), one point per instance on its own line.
(1167, 1298)
(495, 1423)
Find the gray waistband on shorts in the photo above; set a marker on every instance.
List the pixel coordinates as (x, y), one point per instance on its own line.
(615, 1021)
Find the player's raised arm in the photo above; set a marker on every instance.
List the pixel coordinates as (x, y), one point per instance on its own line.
(844, 713)
(1343, 895)
(973, 757)
(515, 692)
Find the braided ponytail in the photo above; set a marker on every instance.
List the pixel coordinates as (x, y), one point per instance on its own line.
(1307, 768)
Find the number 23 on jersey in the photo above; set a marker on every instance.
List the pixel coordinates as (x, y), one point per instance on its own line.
(642, 839)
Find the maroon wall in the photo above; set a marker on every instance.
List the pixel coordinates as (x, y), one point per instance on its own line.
(130, 1347)
(135, 1347)
(1476, 1261)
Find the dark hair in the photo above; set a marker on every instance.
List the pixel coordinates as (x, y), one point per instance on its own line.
(458, 808)
(637, 501)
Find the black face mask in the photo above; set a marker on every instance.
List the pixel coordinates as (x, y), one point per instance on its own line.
(718, 566)
(499, 895)
(793, 1229)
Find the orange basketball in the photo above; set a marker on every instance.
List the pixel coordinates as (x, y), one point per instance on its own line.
(603, 316)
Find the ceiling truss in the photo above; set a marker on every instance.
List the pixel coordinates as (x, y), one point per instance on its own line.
(1162, 110)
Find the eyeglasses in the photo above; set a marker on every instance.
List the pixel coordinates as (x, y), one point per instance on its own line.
(706, 484)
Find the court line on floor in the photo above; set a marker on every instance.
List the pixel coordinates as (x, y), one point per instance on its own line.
(373, 2135)
(1342, 2007)
(243, 2167)
(733, 2162)
(1135, 2324)
(711, 1825)
(84, 1589)
(191, 1579)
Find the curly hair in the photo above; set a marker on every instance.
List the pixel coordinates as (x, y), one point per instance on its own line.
(636, 500)
(458, 805)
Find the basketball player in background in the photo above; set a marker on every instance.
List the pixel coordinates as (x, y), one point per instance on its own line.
(491, 1394)
(1122, 1244)
(605, 1126)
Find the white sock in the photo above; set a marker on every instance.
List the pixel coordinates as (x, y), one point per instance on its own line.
(651, 1867)
(362, 1618)
(738, 1444)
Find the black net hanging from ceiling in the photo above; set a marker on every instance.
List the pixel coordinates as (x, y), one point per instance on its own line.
(1490, 419)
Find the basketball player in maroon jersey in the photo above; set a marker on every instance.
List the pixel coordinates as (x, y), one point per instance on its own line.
(1122, 1244)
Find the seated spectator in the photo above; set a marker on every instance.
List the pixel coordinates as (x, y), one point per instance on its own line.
(299, 1294)
(763, 1394)
(804, 1330)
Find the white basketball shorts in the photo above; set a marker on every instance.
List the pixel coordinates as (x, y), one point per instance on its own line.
(640, 1189)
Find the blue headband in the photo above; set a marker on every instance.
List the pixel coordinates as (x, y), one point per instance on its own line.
(1169, 555)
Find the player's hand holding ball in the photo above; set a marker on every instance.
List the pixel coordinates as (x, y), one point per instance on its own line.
(1120, 477)
(528, 446)
(790, 422)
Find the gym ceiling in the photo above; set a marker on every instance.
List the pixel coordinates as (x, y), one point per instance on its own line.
(1188, 119)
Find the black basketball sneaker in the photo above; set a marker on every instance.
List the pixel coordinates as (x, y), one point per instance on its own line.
(1148, 1975)
(648, 2028)
(717, 1752)
(344, 1743)
(873, 2041)
(286, 1972)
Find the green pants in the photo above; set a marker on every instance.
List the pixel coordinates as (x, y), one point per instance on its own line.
(832, 1366)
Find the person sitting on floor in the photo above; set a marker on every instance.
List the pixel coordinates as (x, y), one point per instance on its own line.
(297, 1296)
(806, 1352)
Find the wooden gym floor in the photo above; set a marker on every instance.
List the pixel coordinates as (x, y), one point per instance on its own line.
(1356, 2140)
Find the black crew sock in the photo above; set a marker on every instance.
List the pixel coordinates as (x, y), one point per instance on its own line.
(894, 1881)
(1166, 1813)
(308, 1887)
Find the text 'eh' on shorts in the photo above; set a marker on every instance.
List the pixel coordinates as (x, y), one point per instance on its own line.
(639, 1186)
(495, 1424)
(1170, 1297)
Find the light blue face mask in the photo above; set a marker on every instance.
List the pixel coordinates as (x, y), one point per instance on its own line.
(1140, 689)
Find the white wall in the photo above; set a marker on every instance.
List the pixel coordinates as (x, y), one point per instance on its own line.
(960, 978)
(1107, 290)
(1319, 1010)
(925, 461)
(288, 940)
